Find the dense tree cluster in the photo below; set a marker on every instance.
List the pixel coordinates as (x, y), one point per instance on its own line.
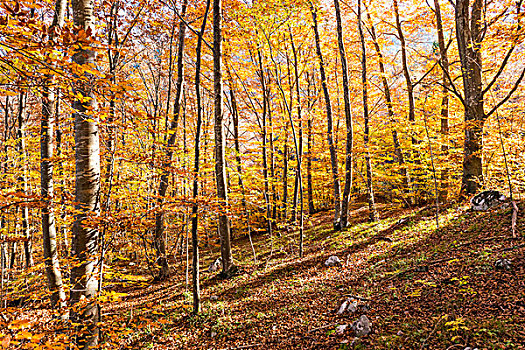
(126, 123)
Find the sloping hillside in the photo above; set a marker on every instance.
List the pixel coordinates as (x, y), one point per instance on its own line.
(421, 287)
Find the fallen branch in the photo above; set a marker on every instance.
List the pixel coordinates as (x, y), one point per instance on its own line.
(322, 327)
(512, 248)
(357, 297)
(243, 347)
(514, 218)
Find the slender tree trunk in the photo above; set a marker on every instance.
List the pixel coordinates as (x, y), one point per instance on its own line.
(443, 56)
(298, 176)
(272, 156)
(371, 201)
(348, 118)
(235, 114)
(330, 131)
(406, 72)
(299, 152)
(285, 176)
(220, 162)
(265, 146)
(388, 97)
(47, 124)
(195, 211)
(160, 225)
(468, 34)
(309, 144)
(21, 149)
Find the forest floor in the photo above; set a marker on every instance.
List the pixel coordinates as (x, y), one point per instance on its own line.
(425, 288)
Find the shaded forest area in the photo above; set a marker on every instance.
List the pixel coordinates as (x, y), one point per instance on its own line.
(207, 174)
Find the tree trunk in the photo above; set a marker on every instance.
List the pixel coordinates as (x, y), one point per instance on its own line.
(330, 131)
(235, 114)
(194, 217)
(309, 144)
(220, 162)
(84, 283)
(348, 118)
(265, 147)
(406, 72)
(468, 34)
(371, 202)
(160, 225)
(443, 56)
(47, 124)
(21, 149)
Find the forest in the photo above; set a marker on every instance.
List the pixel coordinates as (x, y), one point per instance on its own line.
(262, 174)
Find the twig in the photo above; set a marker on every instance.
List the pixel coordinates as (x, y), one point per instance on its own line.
(432, 332)
(322, 327)
(357, 297)
(512, 248)
(243, 347)
(514, 218)
(486, 240)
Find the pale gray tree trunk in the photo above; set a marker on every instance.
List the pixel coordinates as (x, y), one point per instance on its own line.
(47, 125)
(85, 235)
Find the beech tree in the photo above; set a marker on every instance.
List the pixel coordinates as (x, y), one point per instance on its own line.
(85, 234)
(220, 166)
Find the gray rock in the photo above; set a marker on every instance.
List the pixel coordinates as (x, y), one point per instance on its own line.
(214, 298)
(362, 326)
(340, 330)
(503, 264)
(486, 200)
(349, 304)
(216, 265)
(333, 261)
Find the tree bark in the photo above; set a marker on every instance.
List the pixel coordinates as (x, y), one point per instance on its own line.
(47, 124)
(371, 202)
(468, 34)
(299, 175)
(330, 131)
(348, 118)
(160, 225)
(194, 217)
(406, 72)
(21, 149)
(84, 277)
(266, 193)
(444, 130)
(309, 144)
(220, 162)
(235, 115)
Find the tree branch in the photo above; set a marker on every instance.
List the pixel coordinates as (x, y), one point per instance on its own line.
(509, 95)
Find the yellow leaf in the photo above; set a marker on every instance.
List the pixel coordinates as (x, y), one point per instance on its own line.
(19, 324)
